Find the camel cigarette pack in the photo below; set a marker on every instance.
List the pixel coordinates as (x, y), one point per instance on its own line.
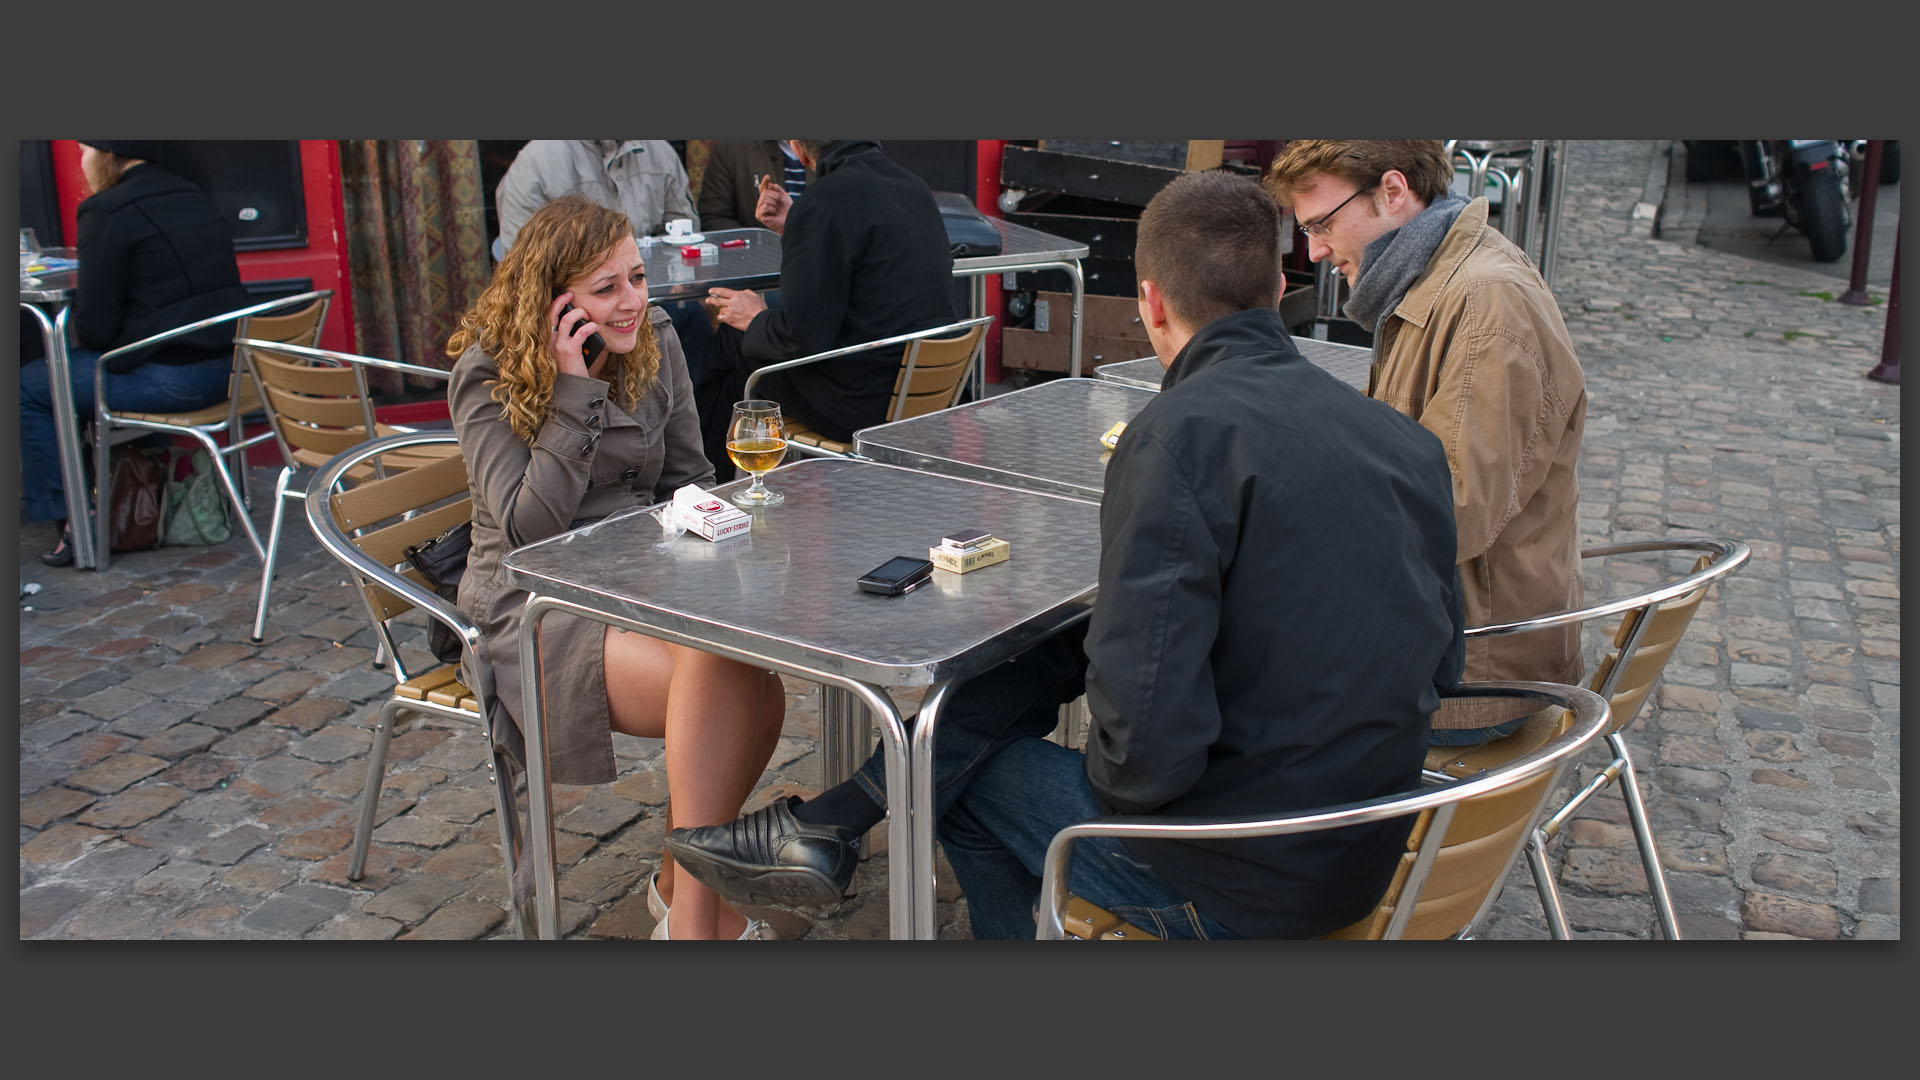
(709, 515)
(993, 551)
(1112, 438)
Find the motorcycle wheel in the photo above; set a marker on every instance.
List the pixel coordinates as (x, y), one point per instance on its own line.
(1823, 215)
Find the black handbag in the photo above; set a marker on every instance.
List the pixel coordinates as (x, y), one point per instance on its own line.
(442, 562)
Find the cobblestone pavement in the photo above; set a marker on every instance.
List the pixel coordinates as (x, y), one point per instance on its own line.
(178, 781)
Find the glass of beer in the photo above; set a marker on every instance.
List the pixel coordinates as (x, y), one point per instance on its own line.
(756, 442)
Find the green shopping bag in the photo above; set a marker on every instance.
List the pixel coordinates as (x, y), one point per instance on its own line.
(196, 505)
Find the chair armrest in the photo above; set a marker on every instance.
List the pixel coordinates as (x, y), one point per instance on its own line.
(1728, 556)
(948, 330)
(342, 547)
(346, 359)
(1591, 714)
(213, 320)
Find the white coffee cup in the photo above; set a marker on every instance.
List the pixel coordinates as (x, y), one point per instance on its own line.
(679, 227)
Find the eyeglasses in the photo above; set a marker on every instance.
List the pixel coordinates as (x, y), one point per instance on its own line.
(1318, 229)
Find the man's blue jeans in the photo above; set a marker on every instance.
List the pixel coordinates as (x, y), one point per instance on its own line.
(1001, 791)
(147, 388)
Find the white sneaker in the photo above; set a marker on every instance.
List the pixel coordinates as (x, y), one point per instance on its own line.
(655, 906)
(757, 930)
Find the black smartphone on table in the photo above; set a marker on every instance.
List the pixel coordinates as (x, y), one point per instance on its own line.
(590, 349)
(898, 575)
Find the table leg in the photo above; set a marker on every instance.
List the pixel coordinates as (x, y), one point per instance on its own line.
(978, 299)
(1079, 310)
(920, 842)
(845, 734)
(539, 787)
(73, 473)
(902, 855)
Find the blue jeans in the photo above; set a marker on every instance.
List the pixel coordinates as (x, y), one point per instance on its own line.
(1001, 791)
(147, 388)
(1473, 736)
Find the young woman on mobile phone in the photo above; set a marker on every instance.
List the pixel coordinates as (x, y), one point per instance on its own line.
(554, 439)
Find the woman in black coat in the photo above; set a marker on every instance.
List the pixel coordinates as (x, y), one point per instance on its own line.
(155, 253)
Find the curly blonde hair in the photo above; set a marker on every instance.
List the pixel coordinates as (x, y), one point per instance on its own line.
(563, 241)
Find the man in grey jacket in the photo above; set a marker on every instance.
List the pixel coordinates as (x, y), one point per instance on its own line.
(641, 178)
(1278, 612)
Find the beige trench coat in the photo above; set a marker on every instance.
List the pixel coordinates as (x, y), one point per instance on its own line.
(592, 458)
(1477, 353)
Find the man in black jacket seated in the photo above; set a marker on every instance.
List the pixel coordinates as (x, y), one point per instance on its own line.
(1278, 610)
(863, 256)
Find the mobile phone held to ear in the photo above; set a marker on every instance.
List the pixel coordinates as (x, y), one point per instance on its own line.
(590, 349)
(897, 576)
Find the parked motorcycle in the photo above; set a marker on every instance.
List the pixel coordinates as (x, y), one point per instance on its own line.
(1808, 180)
(1805, 180)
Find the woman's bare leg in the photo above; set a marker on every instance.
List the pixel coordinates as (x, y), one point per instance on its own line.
(721, 720)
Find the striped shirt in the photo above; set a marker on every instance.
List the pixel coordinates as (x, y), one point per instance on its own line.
(796, 178)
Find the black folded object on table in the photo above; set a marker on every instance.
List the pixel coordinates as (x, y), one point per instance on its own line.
(968, 230)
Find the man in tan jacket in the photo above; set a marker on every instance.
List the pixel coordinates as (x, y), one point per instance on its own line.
(1467, 340)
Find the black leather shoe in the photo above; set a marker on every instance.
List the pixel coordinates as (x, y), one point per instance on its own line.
(770, 857)
(62, 554)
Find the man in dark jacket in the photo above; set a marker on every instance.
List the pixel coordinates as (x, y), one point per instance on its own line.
(864, 255)
(738, 172)
(1278, 611)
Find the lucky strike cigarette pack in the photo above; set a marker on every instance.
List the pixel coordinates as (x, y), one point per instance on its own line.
(708, 515)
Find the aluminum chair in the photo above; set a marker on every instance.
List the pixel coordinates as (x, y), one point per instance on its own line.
(317, 405)
(296, 319)
(1464, 843)
(934, 365)
(1652, 622)
(368, 527)
(1509, 164)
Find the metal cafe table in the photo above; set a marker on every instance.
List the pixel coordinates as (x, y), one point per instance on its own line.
(53, 291)
(1022, 248)
(1348, 363)
(783, 596)
(1043, 438)
(756, 265)
(753, 265)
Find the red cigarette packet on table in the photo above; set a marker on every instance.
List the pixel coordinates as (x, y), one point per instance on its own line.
(708, 515)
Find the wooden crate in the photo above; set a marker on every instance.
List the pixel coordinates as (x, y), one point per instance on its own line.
(1105, 316)
(1031, 350)
(1188, 155)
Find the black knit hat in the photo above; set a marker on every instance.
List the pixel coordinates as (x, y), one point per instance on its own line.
(144, 149)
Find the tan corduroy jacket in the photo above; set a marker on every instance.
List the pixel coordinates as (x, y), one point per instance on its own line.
(1477, 352)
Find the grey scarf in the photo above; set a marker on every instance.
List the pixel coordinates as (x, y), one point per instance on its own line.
(1391, 262)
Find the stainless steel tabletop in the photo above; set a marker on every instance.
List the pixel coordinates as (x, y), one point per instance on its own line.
(1044, 438)
(1021, 246)
(51, 286)
(1145, 372)
(784, 595)
(1348, 363)
(755, 266)
(786, 589)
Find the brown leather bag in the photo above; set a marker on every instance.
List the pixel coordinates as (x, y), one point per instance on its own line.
(139, 499)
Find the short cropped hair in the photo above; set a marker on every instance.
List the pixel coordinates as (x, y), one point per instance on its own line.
(814, 148)
(1422, 161)
(1211, 242)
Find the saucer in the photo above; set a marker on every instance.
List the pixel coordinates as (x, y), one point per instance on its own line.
(682, 241)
